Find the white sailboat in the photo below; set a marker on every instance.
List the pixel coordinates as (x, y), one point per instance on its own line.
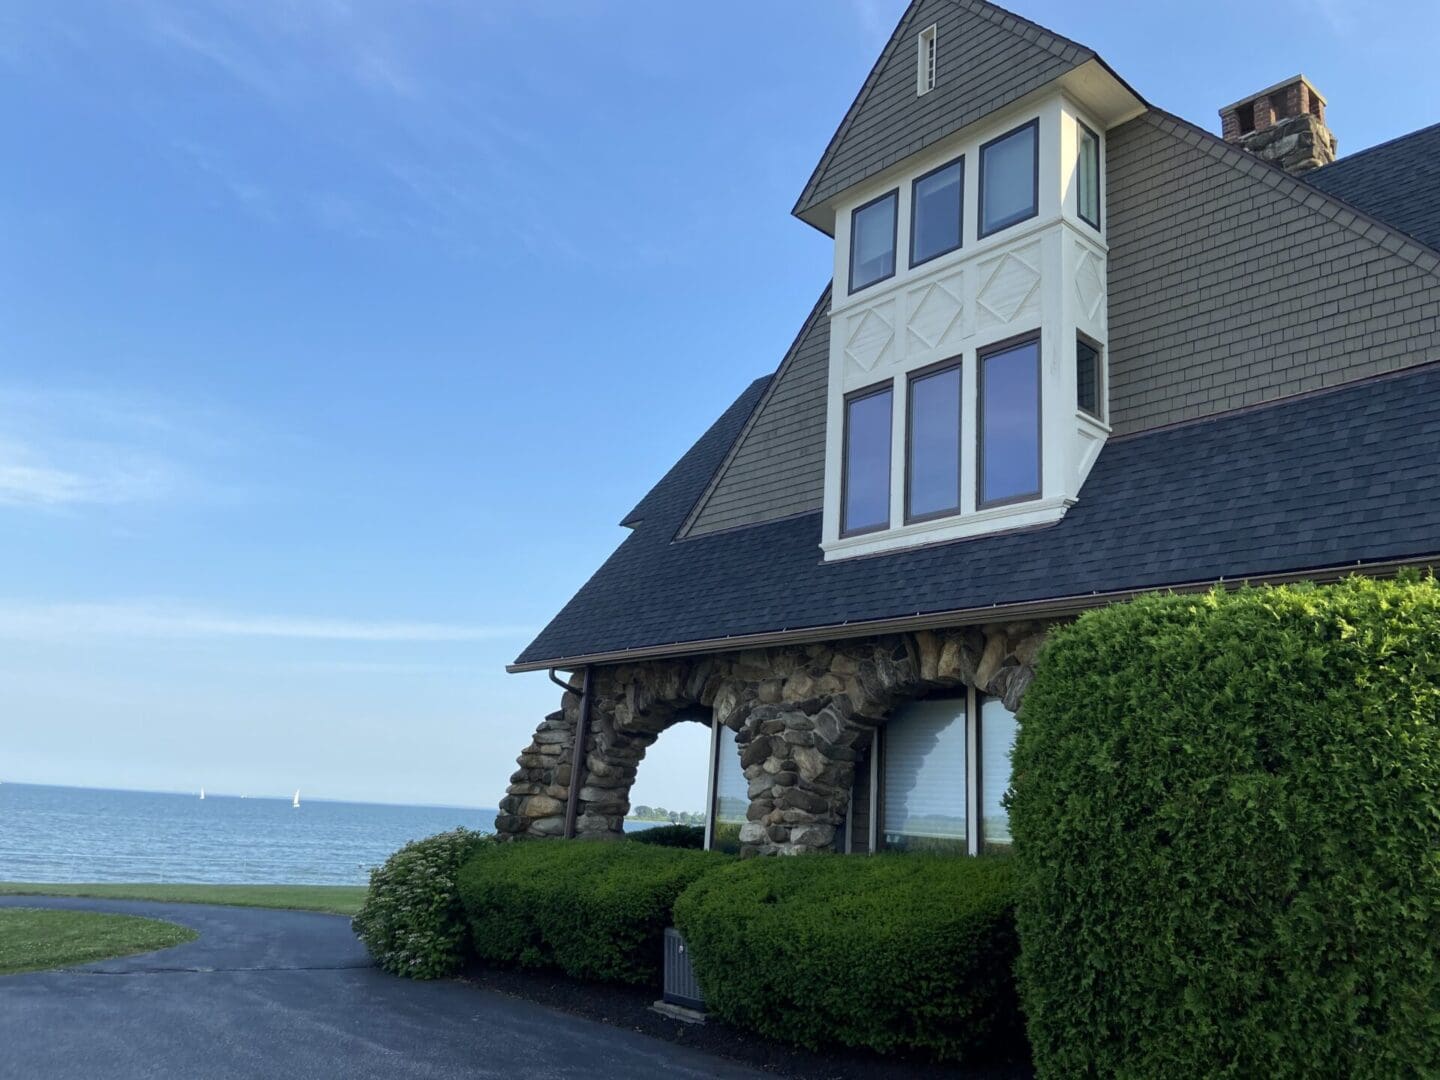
(202, 794)
(296, 802)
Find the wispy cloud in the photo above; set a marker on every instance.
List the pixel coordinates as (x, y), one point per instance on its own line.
(30, 622)
(68, 448)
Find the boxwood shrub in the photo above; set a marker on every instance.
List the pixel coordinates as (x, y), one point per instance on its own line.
(1226, 813)
(412, 921)
(681, 836)
(593, 909)
(909, 954)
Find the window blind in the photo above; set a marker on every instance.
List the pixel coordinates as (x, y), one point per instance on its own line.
(923, 765)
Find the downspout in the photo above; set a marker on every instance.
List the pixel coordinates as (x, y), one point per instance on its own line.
(577, 753)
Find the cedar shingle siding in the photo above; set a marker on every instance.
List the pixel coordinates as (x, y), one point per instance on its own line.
(778, 465)
(1233, 284)
(986, 59)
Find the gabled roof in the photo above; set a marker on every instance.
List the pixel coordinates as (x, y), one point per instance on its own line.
(1397, 182)
(987, 58)
(1344, 478)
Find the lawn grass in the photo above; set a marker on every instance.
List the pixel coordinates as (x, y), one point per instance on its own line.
(335, 899)
(35, 940)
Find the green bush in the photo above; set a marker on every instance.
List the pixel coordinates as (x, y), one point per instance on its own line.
(412, 921)
(594, 910)
(681, 836)
(896, 953)
(1226, 813)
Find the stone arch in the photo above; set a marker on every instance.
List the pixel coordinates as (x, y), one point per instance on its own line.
(799, 714)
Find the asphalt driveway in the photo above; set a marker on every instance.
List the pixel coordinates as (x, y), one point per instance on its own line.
(292, 994)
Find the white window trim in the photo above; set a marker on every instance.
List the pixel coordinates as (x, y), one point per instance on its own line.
(927, 49)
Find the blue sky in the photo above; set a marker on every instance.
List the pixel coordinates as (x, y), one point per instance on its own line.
(335, 338)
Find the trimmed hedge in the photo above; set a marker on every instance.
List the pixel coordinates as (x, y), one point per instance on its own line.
(1226, 813)
(895, 953)
(593, 909)
(412, 921)
(681, 836)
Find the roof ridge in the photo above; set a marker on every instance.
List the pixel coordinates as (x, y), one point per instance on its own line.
(714, 482)
(1347, 159)
(1347, 214)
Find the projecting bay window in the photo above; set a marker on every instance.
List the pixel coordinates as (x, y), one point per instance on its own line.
(1010, 179)
(930, 766)
(865, 479)
(1010, 421)
(872, 241)
(1087, 177)
(932, 445)
(937, 209)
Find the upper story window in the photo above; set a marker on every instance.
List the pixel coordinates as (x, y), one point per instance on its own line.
(932, 466)
(926, 46)
(1010, 421)
(1088, 376)
(1010, 178)
(1087, 177)
(937, 209)
(872, 241)
(865, 480)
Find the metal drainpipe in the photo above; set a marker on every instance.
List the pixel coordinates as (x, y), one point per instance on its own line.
(577, 756)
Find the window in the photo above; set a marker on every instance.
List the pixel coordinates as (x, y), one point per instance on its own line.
(1087, 377)
(997, 737)
(922, 805)
(1087, 185)
(925, 61)
(1009, 179)
(872, 241)
(937, 201)
(732, 794)
(932, 464)
(865, 481)
(1010, 422)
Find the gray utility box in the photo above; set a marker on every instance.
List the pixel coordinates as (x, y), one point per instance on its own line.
(680, 985)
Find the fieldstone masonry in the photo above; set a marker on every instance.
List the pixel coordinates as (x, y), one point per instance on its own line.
(798, 713)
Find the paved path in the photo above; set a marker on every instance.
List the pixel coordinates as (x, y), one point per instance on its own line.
(291, 995)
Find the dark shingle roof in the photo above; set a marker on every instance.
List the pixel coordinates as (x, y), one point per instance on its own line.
(1342, 477)
(1397, 182)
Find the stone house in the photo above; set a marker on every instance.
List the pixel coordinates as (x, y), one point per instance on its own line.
(1074, 348)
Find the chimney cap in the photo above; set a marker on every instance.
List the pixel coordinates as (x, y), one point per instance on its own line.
(1281, 85)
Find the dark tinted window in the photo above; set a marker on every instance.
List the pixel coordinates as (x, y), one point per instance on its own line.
(1088, 177)
(867, 462)
(1009, 184)
(936, 202)
(1010, 423)
(1087, 377)
(872, 242)
(934, 444)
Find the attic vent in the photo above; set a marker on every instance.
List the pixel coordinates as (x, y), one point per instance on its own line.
(925, 62)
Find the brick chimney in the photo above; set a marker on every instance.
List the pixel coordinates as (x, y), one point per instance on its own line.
(1284, 124)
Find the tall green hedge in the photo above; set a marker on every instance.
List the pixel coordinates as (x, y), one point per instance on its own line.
(595, 910)
(907, 954)
(1226, 812)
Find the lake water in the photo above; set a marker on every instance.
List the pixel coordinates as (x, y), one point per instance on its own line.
(83, 834)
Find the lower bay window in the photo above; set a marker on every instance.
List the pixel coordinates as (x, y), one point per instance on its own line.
(865, 480)
(1009, 421)
(932, 443)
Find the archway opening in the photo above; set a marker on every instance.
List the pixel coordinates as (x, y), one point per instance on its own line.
(672, 781)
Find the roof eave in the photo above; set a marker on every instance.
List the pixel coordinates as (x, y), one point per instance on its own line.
(1052, 608)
